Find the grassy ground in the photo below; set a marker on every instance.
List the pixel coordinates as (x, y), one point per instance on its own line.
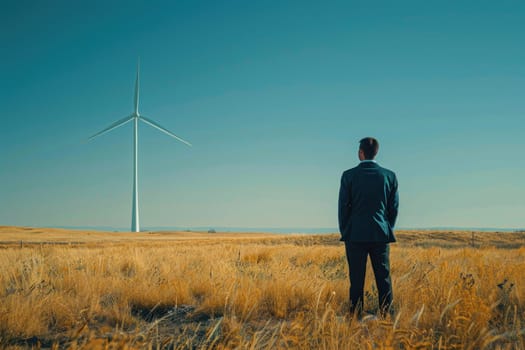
(72, 289)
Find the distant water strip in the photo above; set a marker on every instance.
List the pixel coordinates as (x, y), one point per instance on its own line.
(278, 230)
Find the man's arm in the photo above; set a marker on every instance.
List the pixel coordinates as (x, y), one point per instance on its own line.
(345, 207)
(393, 204)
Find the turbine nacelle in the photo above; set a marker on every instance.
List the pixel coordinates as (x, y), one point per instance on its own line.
(148, 121)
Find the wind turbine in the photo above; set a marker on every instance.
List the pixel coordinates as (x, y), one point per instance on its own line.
(135, 117)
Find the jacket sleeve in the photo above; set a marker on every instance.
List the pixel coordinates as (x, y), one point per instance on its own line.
(393, 203)
(345, 207)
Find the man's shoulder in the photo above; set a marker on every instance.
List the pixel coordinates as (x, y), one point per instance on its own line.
(388, 172)
(350, 171)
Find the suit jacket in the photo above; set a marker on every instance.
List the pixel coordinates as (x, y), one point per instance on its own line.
(368, 204)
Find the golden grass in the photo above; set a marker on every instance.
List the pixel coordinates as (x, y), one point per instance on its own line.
(254, 291)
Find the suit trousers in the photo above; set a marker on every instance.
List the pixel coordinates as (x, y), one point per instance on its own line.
(356, 255)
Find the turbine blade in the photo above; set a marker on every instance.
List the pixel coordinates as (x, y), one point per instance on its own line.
(137, 83)
(164, 130)
(113, 126)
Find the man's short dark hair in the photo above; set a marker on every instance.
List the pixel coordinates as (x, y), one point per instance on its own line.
(369, 146)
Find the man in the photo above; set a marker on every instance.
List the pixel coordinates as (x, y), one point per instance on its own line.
(368, 206)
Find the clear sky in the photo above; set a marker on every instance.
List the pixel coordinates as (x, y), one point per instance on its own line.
(274, 96)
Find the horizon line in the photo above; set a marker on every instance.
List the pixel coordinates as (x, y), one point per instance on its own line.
(273, 229)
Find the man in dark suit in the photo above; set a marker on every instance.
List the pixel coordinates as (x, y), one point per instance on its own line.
(368, 206)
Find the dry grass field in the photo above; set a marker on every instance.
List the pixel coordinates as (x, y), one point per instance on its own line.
(186, 290)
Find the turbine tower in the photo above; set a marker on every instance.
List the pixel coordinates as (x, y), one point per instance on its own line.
(135, 117)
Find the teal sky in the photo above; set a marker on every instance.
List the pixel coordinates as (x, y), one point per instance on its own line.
(274, 96)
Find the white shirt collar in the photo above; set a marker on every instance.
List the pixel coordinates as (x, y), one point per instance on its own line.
(368, 161)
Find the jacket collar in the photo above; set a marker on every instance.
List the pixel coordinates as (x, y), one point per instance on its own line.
(368, 164)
